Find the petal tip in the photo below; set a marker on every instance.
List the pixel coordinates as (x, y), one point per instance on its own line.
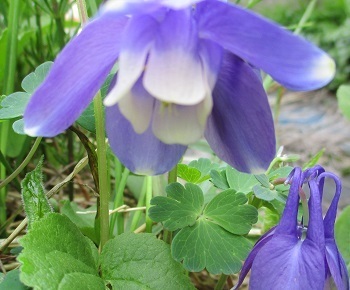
(324, 70)
(32, 131)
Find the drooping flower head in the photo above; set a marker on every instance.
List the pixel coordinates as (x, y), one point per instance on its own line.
(291, 256)
(187, 68)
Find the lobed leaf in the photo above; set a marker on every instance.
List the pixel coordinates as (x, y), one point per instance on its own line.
(239, 181)
(181, 208)
(230, 211)
(207, 245)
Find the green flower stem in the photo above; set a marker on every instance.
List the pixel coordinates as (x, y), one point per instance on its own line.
(119, 201)
(140, 203)
(11, 60)
(221, 283)
(101, 151)
(102, 170)
(149, 193)
(172, 177)
(23, 164)
(92, 5)
(10, 70)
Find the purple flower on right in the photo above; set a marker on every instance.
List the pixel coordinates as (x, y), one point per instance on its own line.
(292, 257)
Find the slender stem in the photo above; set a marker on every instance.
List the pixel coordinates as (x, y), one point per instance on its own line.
(10, 70)
(92, 5)
(102, 170)
(141, 202)
(11, 60)
(101, 151)
(23, 164)
(310, 8)
(221, 283)
(119, 201)
(149, 193)
(172, 177)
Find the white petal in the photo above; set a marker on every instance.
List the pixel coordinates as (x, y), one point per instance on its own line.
(137, 107)
(137, 40)
(174, 71)
(177, 124)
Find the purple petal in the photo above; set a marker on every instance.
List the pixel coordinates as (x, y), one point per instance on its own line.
(250, 259)
(289, 264)
(141, 153)
(137, 39)
(289, 59)
(329, 219)
(174, 71)
(76, 76)
(336, 266)
(241, 115)
(288, 222)
(315, 231)
(211, 55)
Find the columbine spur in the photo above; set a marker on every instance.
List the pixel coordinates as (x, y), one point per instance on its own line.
(187, 68)
(293, 257)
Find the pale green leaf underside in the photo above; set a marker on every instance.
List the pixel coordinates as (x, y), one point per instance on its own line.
(14, 105)
(141, 261)
(342, 234)
(239, 181)
(343, 95)
(207, 245)
(34, 79)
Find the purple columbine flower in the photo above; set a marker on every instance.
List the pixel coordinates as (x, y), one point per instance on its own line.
(187, 68)
(293, 257)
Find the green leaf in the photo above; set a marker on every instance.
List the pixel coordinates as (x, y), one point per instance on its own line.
(230, 211)
(11, 281)
(54, 248)
(207, 245)
(180, 208)
(219, 179)
(85, 222)
(281, 172)
(18, 127)
(265, 193)
(14, 105)
(36, 204)
(314, 159)
(188, 173)
(81, 281)
(263, 179)
(239, 181)
(342, 234)
(34, 79)
(141, 261)
(343, 95)
(204, 165)
(209, 238)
